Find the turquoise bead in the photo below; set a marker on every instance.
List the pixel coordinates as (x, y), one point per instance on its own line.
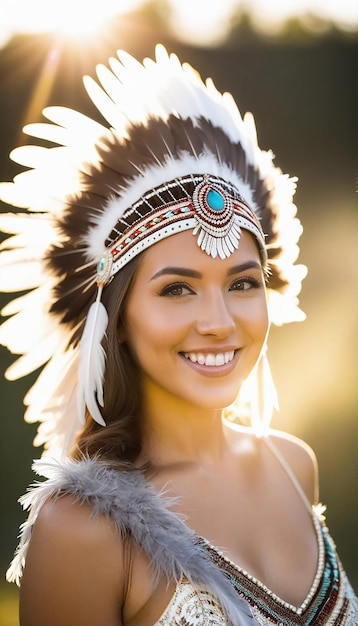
(101, 266)
(215, 200)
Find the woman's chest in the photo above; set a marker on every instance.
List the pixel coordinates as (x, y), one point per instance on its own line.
(267, 532)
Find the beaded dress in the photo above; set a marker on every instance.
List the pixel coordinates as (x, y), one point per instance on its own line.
(330, 601)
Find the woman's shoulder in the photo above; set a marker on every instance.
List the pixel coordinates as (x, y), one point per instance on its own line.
(65, 516)
(89, 570)
(67, 533)
(293, 445)
(301, 460)
(68, 553)
(286, 442)
(79, 501)
(294, 454)
(84, 504)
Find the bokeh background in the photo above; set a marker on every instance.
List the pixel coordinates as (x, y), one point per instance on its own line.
(295, 68)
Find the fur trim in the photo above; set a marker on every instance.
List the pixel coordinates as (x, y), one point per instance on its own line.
(135, 508)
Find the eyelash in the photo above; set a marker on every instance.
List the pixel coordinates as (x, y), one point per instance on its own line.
(169, 289)
(255, 284)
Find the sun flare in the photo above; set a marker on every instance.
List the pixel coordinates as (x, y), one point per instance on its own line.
(196, 21)
(70, 18)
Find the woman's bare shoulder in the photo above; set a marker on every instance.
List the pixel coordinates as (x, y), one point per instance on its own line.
(65, 515)
(292, 445)
(70, 525)
(74, 568)
(285, 441)
(301, 459)
(295, 452)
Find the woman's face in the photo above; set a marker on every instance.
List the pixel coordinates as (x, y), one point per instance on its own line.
(194, 324)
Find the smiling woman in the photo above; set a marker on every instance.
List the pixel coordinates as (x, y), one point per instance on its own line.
(183, 324)
(156, 251)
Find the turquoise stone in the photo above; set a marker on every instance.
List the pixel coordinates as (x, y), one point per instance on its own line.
(101, 266)
(215, 200)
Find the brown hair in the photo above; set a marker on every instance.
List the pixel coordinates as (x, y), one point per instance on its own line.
(120, 441)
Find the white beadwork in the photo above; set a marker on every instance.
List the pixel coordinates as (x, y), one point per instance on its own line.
(192, 607)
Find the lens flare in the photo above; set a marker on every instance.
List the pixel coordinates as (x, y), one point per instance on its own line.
(77, 19)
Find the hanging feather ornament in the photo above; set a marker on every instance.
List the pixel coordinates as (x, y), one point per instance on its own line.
(257, 399)
(263, 396)
(92, 362)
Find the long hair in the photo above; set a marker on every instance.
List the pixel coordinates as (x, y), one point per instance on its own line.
(120, 440)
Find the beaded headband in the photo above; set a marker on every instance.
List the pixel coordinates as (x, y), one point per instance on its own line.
(215, 213)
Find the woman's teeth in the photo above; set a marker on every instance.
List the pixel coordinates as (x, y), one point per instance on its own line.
(211, 360)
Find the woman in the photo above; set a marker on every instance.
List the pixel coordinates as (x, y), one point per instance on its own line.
(160, 249)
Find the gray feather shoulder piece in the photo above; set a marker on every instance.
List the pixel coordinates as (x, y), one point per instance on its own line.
(136, 509)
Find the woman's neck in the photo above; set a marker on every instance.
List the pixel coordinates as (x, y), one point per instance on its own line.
(176, 431)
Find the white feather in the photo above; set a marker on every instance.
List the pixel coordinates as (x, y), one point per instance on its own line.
(42, 190)
(75, 121)
(49, 132)
(33, 233)
(47, 383)
(109, 81)
(103, 103)
(25, 273)
(33, 298)
(92, 361)
(36, 355)
(53, 402)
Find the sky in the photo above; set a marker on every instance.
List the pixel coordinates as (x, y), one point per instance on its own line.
(197, 21)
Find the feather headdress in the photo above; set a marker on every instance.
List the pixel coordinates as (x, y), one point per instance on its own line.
(176, 153)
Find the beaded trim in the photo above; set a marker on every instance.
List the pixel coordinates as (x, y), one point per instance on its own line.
(215, 212)
(325, 598)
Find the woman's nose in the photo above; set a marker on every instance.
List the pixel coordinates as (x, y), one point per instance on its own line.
(215, 317)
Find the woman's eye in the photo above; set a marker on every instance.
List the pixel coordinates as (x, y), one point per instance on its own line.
(244, 284)
(175, 290)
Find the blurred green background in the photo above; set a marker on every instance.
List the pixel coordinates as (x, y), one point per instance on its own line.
(301, 85)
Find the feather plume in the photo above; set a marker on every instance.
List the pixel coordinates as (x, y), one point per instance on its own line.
(92, 361)
(52, 401)
(264, 398)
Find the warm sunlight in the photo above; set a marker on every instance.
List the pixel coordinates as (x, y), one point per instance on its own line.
(197, 21)
(72, 18)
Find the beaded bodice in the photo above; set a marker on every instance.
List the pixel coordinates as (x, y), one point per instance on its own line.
(329, 602)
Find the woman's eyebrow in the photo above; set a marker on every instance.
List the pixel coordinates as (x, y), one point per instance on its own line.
(179, 271)
(188, 272)
(236, 269)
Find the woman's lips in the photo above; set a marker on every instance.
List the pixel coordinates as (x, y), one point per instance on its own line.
(212, 363)
(211, 359)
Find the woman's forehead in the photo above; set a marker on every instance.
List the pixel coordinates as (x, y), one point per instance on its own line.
(182, 250)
